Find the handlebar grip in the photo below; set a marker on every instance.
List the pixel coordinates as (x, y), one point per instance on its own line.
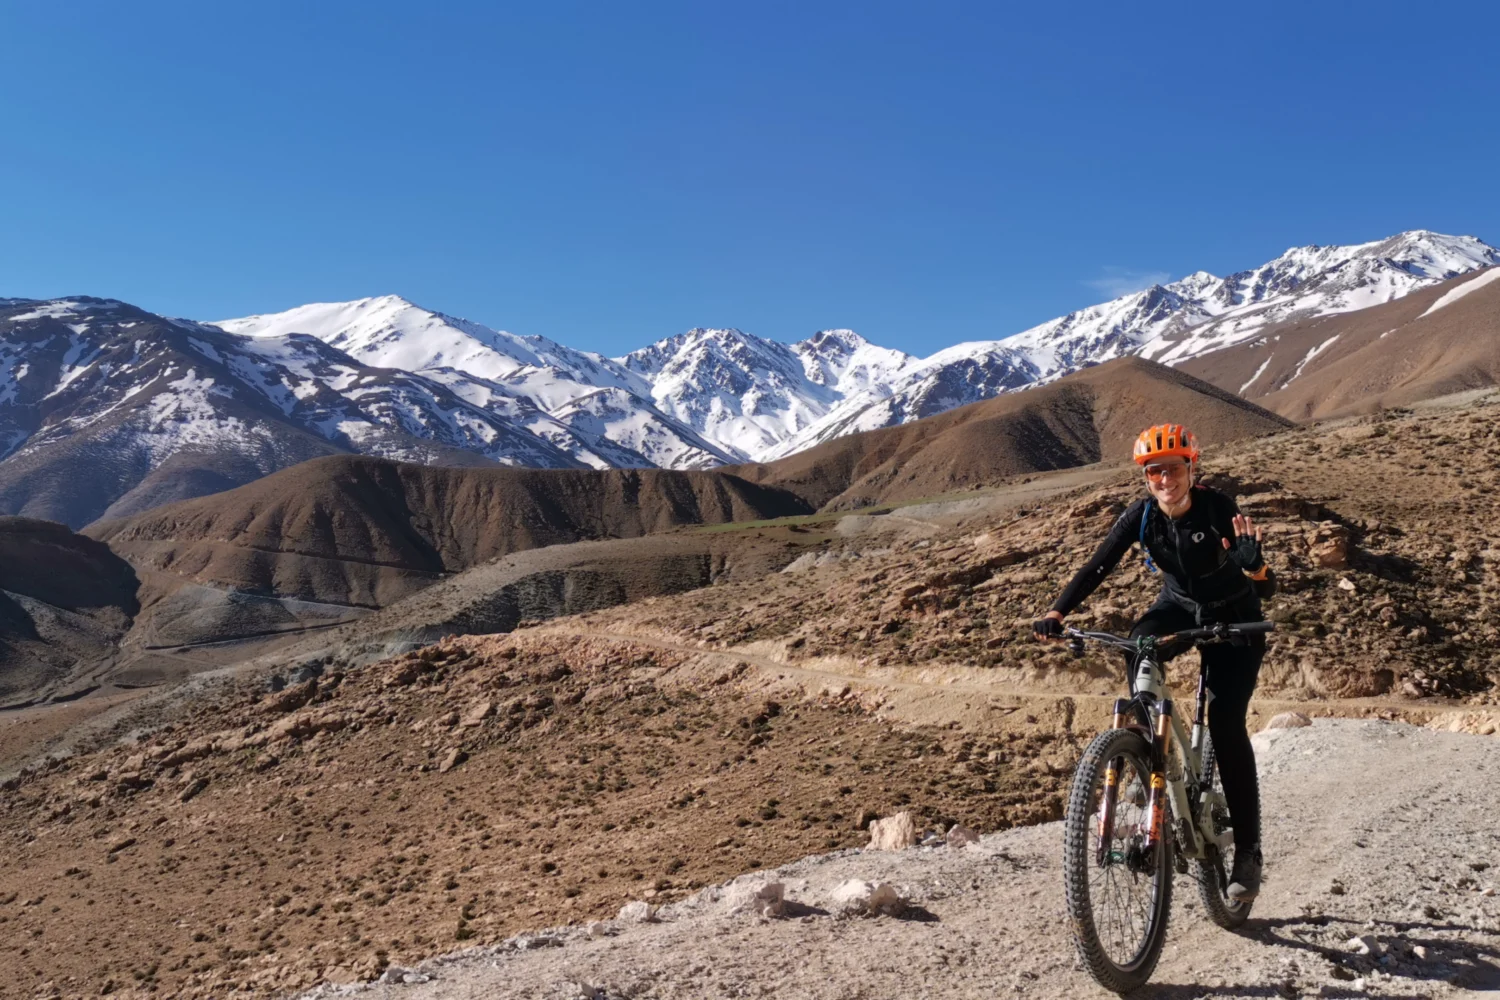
(1255, 627)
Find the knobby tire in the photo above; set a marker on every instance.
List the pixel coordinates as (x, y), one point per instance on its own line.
(1081, 871)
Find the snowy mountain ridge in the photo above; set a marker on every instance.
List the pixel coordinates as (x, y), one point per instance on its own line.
(171, 407)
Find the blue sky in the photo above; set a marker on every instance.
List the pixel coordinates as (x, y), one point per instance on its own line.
(609, 174)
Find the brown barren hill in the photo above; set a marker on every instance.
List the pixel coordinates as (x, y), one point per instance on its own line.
(1089, 416)
(64, 598)
(1435, 342)
(367, 531)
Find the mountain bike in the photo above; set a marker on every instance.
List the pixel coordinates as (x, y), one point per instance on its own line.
(1146, 802)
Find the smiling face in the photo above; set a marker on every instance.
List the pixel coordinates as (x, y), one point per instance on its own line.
(1169, 480)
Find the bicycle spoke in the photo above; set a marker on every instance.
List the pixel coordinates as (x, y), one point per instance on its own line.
(1123, 898)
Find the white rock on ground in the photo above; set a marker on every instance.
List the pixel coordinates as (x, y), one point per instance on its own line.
(858, 897)
(961, 836)
(757, 897)
(637, 912)
(990, 923)
(1288, 720)
(894, 833)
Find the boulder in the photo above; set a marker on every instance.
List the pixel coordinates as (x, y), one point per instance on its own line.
(1288, 720)
(894, 833)
(455, 757)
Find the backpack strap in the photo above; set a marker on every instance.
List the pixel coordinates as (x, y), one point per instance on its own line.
(1146, 516)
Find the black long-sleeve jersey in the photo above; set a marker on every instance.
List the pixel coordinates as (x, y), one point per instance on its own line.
(1196, 569)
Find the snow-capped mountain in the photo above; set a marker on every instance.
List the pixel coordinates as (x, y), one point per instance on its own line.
(952, 377)
(97, 397)
(1202, 313)
(159, 409)
(1169, 323)
(590, 406)
(749, 394)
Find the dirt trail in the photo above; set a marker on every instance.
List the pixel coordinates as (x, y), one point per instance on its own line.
(1348, 858)
(980, 699)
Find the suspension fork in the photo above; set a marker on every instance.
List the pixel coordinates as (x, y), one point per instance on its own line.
(1111, 787)
(1157, 806)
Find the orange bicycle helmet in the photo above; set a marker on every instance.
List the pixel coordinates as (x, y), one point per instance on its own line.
(1164, 440)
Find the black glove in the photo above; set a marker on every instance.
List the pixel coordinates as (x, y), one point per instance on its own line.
(1048, 628)
(1245, 553)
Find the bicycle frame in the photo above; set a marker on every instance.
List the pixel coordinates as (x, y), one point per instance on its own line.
(1150, 712)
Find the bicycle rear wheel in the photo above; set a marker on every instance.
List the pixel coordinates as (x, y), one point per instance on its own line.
(1212, 872)
(1119, 895)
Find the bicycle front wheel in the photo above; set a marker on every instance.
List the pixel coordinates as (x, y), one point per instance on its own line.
(1119, 893)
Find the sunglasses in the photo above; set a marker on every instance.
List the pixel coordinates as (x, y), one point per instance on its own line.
(1165, 470)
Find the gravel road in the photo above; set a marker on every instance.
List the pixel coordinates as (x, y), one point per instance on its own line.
(1383, 865)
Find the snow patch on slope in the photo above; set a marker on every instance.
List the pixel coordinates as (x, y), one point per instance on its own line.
(1453, 295)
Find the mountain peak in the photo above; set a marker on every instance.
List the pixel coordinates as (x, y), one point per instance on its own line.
(837, 341)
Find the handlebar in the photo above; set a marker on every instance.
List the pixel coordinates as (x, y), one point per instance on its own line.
(1208, 634)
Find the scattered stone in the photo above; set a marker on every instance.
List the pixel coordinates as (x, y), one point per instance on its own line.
(195, 750)
(1337, 888)
(758, 897)
(120, 845)
(455, 757)
(396, 975)
(531, 942)
(1330, 546)
(304, 724)
(600, 929)
(1419, 952)
(894, 833)
(477, 713)
(1288, 720)
(864, 818)
(637, 912)
(290, 699)
(961, 836)
(857, 897)
(311, 670)
(1365, 944)
(191, 791)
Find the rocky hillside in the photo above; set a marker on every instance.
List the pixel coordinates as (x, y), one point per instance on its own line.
(1389, 563)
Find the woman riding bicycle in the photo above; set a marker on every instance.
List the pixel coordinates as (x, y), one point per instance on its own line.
(1212, 571)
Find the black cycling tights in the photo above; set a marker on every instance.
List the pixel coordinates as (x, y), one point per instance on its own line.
(1232, 672)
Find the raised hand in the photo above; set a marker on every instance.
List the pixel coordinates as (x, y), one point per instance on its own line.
(1245, 550)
